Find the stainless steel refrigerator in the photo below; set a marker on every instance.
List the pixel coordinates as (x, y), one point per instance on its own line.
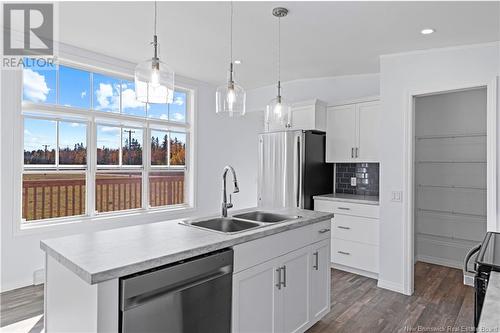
(292, 169)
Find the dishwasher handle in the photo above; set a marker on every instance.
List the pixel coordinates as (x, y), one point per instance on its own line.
(139, 300)
(175, 276)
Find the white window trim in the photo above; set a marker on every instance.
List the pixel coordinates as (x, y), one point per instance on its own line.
(145, 214)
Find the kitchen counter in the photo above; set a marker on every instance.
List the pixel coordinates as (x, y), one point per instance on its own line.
(490, 314)
(105, 255)
(353, 198)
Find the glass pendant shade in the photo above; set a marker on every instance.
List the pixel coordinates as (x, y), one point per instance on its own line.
(154, 82)
(279, 112)
(230, 100)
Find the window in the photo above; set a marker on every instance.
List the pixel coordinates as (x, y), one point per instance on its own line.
(83, 127)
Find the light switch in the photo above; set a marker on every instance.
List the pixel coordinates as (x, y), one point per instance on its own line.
(353, 181)
(397, 196)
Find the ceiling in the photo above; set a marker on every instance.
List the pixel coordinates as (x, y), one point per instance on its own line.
(319, 39)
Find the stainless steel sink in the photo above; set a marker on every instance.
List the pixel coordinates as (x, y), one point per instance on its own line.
(265, 217)
(225, 224)
(240, 222)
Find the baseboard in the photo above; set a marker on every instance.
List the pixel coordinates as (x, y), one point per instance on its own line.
(16, 285)
(355, 271)
(393, 286)
(440, 261)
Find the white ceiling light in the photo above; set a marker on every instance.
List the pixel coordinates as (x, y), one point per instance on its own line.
(237, 62)
(154, 79)
(278, 111)
(427, 31)
(230, 98)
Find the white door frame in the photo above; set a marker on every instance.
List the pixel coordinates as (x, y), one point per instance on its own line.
(408, 172)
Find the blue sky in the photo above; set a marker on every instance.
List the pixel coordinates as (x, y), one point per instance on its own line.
(39, 86)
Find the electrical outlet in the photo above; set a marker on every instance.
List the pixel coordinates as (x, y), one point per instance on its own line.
(353, 181)
(397, 196)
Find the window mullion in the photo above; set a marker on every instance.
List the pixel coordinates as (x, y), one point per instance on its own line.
(146, 160)
(91, 167)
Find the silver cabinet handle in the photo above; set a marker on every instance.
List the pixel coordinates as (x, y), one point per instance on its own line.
(357, 152)
(278, 285)
(316, 265)
(342, 227)
(284, 276)
(344, 208)
(345, 253)
(322, 231)
(352, 152)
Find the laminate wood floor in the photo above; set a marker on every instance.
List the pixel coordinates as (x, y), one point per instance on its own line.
(358, 305)
(440, 301)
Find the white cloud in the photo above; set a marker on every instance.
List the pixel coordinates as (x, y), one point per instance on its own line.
(104, 96)
(128, 98)
(109, 129)
(178, 116)
(164, 116)
(27, 132)
(178, 101)
(35, 87)
(83, 94)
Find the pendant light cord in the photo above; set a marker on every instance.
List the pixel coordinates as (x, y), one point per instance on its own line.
(279, 47)
(231, 35)
(155, 18)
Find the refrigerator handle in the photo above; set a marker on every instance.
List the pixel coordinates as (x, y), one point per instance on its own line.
(260, 171)
(299, 170)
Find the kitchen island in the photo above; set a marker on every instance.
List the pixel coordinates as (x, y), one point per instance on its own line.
(83, 271)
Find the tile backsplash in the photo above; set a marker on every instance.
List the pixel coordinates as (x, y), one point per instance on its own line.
(367, 178)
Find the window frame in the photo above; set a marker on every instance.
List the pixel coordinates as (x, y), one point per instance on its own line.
(92, 118)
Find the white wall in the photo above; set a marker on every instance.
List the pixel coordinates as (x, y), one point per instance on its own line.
(219, 141)
(400, 74)
(332, 90)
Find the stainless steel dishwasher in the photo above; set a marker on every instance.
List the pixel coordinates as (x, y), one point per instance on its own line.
(189, 296)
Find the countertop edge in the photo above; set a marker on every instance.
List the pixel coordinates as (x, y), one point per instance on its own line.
(356, 201)
(105, 275)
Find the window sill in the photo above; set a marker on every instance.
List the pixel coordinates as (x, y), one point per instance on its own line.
(105, 221)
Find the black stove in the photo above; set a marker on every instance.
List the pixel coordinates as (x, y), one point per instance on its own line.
(487, 260)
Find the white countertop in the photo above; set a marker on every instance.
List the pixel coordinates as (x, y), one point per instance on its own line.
(354, 198)
(109, 254)
(490, 314)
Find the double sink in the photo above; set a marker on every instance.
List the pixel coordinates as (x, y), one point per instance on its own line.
(241, 222)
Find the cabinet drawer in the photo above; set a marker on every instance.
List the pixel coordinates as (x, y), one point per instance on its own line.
(263, 249)
(354, 254)
(347, 208)
(355, 228)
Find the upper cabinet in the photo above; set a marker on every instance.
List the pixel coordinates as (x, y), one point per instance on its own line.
(352, 132)
(306, 115)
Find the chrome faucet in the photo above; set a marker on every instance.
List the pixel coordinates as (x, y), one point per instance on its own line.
(225, 204)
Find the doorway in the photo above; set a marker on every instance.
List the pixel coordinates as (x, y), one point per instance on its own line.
(450, 175)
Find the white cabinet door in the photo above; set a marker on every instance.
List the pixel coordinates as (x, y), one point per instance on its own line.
(341, 133)
(255, 299)
(295, 291)
(368, 131)
(320, 280)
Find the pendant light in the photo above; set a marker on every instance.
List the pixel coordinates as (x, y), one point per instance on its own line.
(154, 79)
(278, 111)
(230, 98)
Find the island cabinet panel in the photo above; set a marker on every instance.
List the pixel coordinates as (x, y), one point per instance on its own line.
(76, 306)
(288, 292)
(295, 291)
(320, 280)
(256, 295)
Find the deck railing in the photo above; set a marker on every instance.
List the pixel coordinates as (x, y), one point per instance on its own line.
(50, 198)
